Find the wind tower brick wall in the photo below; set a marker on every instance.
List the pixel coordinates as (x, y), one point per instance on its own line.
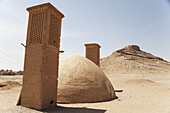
(93, 53)
(41, 57)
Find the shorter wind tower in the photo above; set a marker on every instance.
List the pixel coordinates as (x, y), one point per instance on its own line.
(93, 53)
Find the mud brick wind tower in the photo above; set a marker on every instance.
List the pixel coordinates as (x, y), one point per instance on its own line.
(93, 53)
(41, 57)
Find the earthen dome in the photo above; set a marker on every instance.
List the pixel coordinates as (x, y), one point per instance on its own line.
(80, 80)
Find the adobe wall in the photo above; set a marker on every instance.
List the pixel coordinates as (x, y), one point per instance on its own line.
(41, 57)
(93, 53)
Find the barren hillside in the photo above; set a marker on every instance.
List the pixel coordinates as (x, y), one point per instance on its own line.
(132, 60)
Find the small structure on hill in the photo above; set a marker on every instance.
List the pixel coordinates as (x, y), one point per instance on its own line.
(132, 47)
(134, 61)
(80, 81)
(39, 89)
(93, 53)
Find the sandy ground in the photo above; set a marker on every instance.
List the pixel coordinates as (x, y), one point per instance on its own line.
(141, 94)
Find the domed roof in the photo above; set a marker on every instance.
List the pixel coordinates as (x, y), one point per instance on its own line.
(80, 80)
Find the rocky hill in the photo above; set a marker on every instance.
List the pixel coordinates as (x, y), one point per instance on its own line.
(132, 60)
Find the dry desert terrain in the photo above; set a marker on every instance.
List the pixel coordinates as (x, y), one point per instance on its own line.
(140, 95)
(144, 79)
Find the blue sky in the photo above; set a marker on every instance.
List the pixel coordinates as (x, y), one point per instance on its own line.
(111, 23)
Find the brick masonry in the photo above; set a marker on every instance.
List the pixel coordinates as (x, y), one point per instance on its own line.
(41, 57)
(93, 53)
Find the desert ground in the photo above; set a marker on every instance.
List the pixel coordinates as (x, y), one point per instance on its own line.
(141, 94)
(144, 79)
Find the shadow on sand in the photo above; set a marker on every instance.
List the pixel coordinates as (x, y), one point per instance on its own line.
(60, 109)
